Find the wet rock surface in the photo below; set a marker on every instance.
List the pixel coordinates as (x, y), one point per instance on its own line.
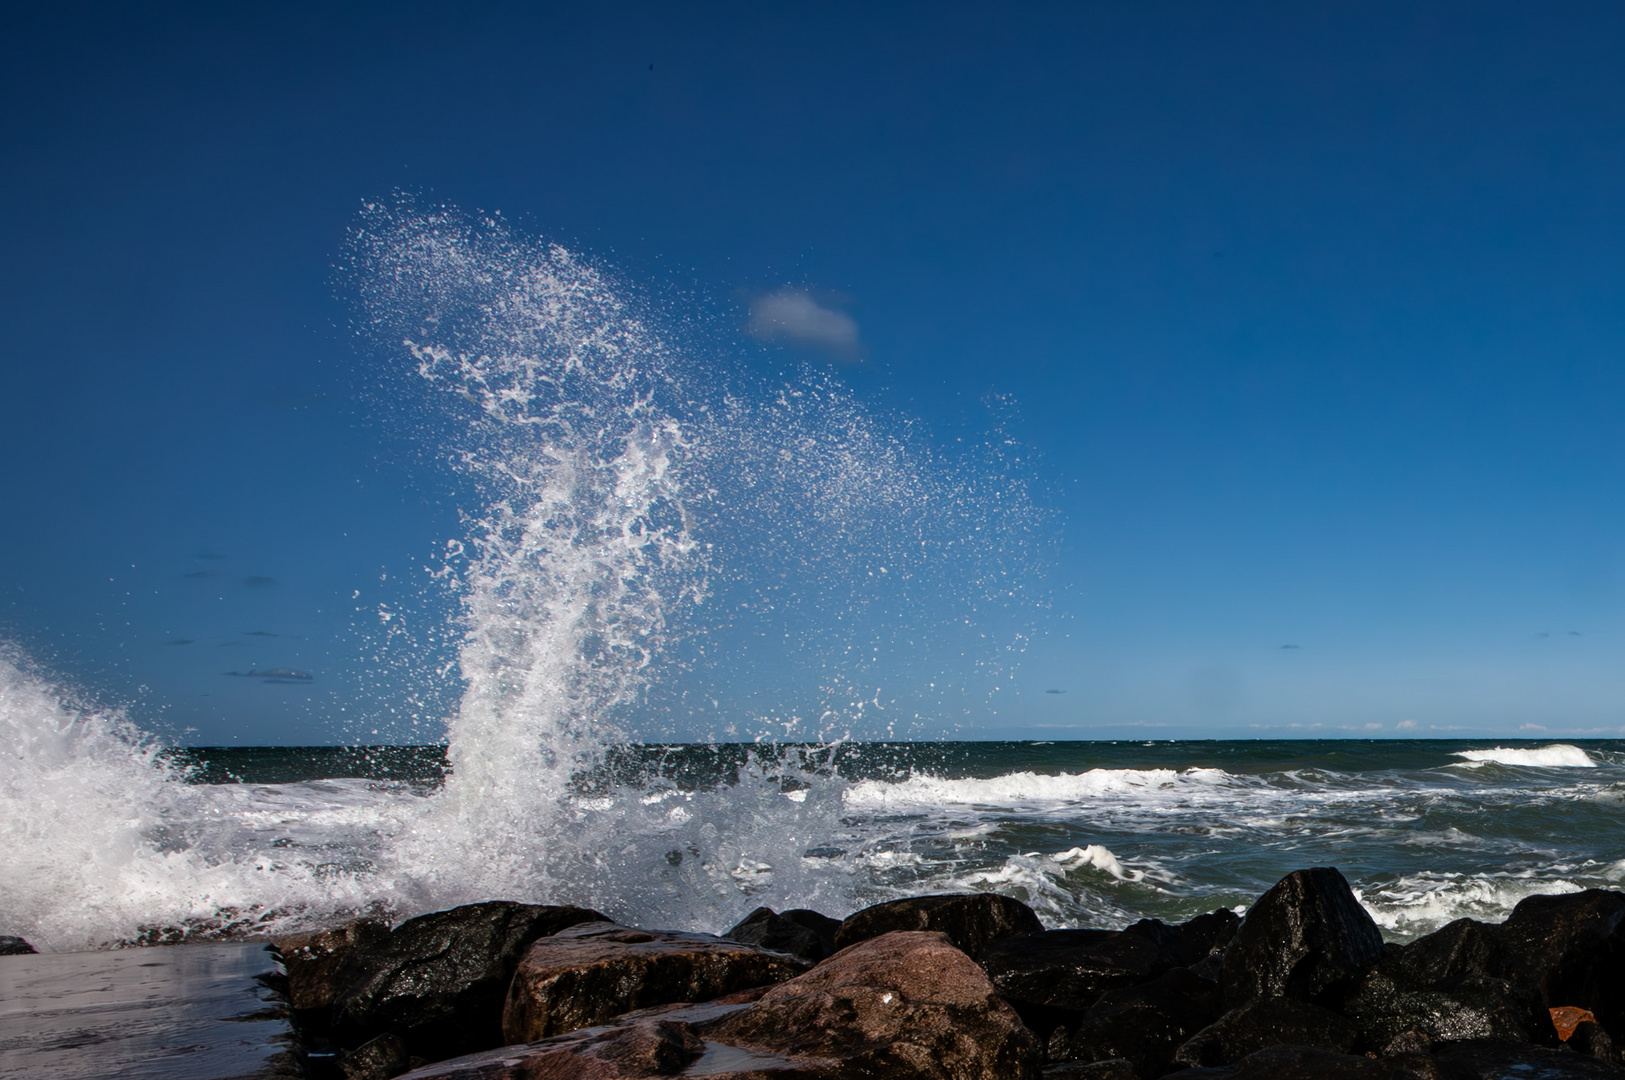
(212, 1011)
(1142, 1025)
(1306, 938)
(1569, 950)
(379, 1059)
(312, 959)
(14, 946)
(591, 972)
(900, 1006)
(971, 920)
(799, 932)
(1265, 1022)
(439, 981)
(1054, 976)
(1471, 1007)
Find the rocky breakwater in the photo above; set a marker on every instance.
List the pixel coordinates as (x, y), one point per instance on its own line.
(971, 987)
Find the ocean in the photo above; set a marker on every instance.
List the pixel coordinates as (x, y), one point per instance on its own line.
(652, 532)
(249, 841)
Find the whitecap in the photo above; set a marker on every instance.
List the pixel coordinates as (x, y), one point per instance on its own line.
(1555, 756)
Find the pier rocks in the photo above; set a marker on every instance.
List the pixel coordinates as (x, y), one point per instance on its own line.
(903, 1006)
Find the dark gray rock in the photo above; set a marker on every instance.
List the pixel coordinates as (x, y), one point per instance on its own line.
(379, 1059)
(1384, 1007)
(1569, 950)
(1069, 970)
(971, 920)
(1472, 980)
(592, 972)
(1190, 943)
(799, 932)
(1265, 1022)
(439, 980)
(1312, 1063)
(15, 946)
(1499, 1059)
(1141, 1024)
(1306, 938)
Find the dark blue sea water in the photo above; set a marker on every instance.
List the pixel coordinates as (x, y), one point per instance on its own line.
(1089, 833)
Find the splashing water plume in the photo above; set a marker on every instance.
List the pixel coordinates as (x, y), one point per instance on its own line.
(623, 490)
(582, 548)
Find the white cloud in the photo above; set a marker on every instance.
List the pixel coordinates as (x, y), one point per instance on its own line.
(795, 315)
(1531, 727)
(1406, 725)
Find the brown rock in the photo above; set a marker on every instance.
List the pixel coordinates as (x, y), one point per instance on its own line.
(313, 958)
(903, 1006)
(589, 973)
(438, 981)
(379, 1059)
(970, 920)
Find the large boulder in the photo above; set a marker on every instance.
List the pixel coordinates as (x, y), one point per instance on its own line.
(1141, 1024)
(312, 959)
(438, 981)
(1306, 938)
(1265, 1022)
(971, 920)
(799, 932)
(1472, 980)
(591, 972)
(902, 1006)
(1570, 950)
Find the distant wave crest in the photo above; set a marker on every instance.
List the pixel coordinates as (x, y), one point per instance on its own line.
(1025, 788)
(1556, 756)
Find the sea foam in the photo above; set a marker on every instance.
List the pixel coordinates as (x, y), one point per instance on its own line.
(1555, 756)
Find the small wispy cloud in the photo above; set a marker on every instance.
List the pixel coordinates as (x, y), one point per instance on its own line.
(1406, 725)
(797, 316)
(259, 581)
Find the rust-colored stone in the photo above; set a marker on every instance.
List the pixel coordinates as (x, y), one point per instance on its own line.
(595, 971)
(903, 1006)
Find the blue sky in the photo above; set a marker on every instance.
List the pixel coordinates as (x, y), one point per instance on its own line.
(1313, 315)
